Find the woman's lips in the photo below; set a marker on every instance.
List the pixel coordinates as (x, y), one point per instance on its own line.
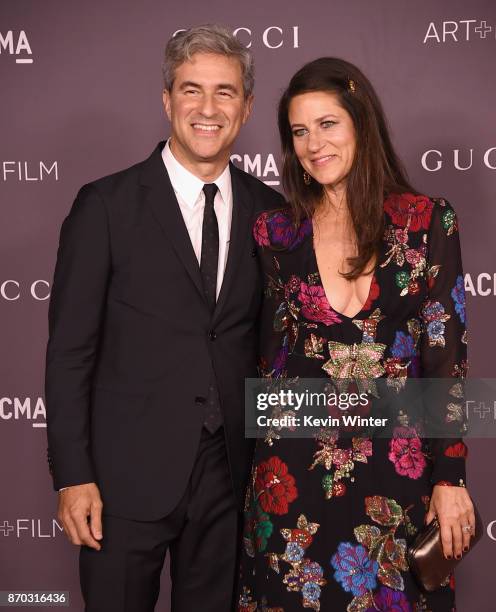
(321, 161)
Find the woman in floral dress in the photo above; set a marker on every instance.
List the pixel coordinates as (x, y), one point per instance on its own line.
(363, 277)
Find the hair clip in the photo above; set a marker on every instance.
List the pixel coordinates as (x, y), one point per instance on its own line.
(351, 85)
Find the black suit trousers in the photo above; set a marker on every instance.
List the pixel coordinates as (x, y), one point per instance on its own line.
(201, 534)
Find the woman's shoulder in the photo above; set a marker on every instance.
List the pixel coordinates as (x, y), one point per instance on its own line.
(417, 212)
(279, 230)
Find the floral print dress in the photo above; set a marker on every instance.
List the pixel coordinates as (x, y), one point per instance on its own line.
(328, 520)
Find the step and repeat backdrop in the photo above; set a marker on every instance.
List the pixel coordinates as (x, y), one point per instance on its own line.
(80, 97)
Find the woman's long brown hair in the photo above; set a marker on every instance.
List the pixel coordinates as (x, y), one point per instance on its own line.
(376, 170)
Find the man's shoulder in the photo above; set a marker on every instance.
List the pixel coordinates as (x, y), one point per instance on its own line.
(118, 181)
(264, 196)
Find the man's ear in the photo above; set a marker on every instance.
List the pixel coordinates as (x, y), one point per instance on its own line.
(248, 108)
(166, 99)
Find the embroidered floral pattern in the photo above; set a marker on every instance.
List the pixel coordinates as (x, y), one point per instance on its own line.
(419, 330)
(315, 306)
(314, 347)
(246, 603)
(458, 295)
(274, 487)
(382, 545)
(434, 317)
(260, 230)
(405, 356)
(409, 211)
(388, 600)
(277, 229)
(305, 576)
(257, 530)
(449, 221)
(355, 361)
(379, 558)
(354, 570)
(405, 452)
(368, 326)
(339, 462)
(279, 366)
(403, 346)
(456, 450)
(400, 253)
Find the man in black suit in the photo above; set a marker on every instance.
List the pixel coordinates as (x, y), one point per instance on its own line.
(152, 332)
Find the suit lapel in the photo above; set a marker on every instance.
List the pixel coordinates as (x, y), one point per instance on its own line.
(162, 200)
(242, 212)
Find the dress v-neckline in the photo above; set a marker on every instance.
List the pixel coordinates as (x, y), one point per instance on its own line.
(373, 279)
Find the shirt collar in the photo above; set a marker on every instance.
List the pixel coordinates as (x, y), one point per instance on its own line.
(189, 186)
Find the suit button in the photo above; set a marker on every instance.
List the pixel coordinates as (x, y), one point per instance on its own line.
(212, 335)
(200, 400)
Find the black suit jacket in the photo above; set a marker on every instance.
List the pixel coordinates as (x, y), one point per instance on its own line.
(132, 343)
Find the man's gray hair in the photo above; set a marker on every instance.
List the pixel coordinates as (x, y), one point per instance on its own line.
(207, 39)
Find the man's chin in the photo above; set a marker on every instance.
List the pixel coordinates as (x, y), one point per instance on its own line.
(209, 154)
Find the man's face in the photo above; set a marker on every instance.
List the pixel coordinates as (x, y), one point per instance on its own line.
(206, 107)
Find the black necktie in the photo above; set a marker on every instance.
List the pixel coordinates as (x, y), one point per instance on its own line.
(209, 260)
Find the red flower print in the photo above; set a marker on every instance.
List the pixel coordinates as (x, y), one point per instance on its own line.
(401, 207)
(315, 306)
(401, 236)
(260, 232)
(373, 294)
(413, 287)
(393, 366)
(292, 286)
(274, 486)
(413, 256)
(301, 537)
(405, 451)
(456, 450)
(338, 489)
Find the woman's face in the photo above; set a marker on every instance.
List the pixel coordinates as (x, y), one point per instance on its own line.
(323, 137)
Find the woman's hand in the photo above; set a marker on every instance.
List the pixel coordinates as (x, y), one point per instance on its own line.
(454, 510)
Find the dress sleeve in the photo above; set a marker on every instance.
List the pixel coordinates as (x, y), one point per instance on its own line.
(444, 346)
(275, 320)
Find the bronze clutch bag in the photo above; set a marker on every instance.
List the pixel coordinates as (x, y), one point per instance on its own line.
(426, 558)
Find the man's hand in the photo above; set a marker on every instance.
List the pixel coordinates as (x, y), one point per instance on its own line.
(455, 511)
(76, 504)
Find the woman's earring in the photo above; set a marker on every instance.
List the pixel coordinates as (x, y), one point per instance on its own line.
(307, 179)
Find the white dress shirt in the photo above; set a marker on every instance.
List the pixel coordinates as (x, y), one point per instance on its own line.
(191, 199)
